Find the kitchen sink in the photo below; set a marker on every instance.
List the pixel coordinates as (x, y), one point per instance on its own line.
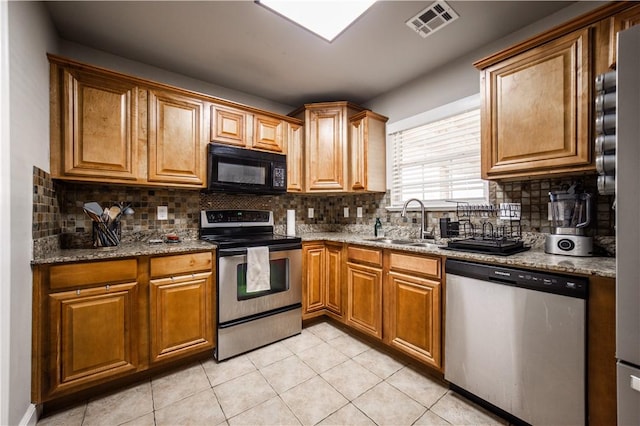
(423, 244)
(413, 243)
(390, 241)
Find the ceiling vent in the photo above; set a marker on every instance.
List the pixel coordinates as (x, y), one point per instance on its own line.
(438, 15)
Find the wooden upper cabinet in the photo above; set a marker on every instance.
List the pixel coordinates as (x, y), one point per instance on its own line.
(535, 111)
(230, 126)
(326, 145)
(367, 156)
(177, 145)
(268, 134)
(94, 127)
(295, 157)
(344, 148)
(325, 149)
(619, 22)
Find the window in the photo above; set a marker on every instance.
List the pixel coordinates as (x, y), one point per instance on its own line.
(439, 161)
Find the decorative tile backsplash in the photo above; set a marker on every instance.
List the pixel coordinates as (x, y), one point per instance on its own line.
(58, 217)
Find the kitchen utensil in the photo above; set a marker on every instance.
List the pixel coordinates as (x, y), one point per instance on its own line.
(94, 207)
(114, 213)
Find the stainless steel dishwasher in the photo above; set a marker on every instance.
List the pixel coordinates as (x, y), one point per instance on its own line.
(516, 339)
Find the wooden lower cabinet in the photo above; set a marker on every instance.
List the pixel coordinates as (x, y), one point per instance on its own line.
(322, 284)
(181, 315)
(93, 335)
(100, 321)
(364, 290)
(413, 300)
(334, 288)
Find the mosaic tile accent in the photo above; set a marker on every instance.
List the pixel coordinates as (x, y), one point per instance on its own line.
(58, 218)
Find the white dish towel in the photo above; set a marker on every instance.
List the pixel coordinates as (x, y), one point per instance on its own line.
(258, 269)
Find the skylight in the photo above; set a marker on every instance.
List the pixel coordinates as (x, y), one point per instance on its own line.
(326, 18)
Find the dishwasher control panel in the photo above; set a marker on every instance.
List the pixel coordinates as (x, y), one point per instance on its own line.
(566, 285)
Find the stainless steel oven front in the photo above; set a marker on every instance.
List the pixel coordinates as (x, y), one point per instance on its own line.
(249, 320)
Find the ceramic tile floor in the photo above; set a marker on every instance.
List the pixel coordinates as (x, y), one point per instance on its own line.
(323, 376)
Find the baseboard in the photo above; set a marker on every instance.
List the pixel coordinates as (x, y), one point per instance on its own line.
(30, 417)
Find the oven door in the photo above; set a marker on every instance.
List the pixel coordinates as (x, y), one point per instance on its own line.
(234, 303)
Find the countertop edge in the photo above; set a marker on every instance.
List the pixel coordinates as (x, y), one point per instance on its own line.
(531, 259)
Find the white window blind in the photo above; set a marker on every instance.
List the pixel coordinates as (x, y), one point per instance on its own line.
(438, 161)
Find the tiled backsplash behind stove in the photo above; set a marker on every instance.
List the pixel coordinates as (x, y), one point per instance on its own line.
(58, 209)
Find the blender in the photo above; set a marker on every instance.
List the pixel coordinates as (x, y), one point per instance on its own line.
(570, 215)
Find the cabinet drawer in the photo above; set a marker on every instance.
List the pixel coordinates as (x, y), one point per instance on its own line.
(419, 264)
(364, 255)
(83, 274)
(180, 264)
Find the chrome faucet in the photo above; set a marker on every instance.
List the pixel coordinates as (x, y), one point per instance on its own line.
(423, 233)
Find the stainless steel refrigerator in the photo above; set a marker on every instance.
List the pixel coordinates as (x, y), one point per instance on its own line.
(628, 226)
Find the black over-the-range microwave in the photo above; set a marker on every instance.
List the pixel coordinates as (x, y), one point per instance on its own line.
(238, 170)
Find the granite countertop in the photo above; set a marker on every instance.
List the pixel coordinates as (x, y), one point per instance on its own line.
(123, 250)
(532, 259)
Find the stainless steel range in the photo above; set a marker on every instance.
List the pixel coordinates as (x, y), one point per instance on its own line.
(250, 317)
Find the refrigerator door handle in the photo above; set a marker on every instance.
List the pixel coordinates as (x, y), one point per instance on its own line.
(635, 383)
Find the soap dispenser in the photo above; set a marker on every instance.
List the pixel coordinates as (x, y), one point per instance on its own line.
(377, 228)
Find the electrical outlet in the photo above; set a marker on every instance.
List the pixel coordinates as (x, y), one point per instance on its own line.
(310, 213)
(346, 212)
(163, 213)
(358, 211)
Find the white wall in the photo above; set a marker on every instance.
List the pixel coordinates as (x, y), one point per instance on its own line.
(460, 79)
(31, 35)
(117, 63)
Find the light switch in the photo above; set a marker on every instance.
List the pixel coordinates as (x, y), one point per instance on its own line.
(358, 211)
(163, 213)
(310, 213)
(346, 212)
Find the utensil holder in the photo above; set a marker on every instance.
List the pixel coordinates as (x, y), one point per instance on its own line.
(106, 235)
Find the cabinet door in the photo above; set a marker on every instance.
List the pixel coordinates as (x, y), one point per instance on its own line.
(367, 154)
(414, 317)
(99, 129)
(334, 278)
(621, 21)
(229, 126)
(313, 294)
(325, 149)
(364, 300)
(93, 335)
(295, 158)
(268, 134)
(177, 147)
(182, 317)
(535, 113)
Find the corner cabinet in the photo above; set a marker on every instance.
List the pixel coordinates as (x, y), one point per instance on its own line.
(413, 306)
(340, 140)
(535, 111)
(323, 292)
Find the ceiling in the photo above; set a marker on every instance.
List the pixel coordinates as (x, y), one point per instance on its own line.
(243, 46)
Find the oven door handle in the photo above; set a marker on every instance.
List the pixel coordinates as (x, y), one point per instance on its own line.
(239, 251)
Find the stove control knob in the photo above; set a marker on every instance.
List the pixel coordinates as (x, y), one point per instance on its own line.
(566, 245)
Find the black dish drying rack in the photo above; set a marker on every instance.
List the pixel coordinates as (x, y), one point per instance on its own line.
(486, 228)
